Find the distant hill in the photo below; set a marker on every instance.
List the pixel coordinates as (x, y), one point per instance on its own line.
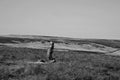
(31, 38)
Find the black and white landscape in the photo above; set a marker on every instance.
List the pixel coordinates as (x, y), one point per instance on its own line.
(59, 39)
(76, 59)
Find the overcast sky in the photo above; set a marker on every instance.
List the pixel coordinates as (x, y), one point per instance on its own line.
(70, 18)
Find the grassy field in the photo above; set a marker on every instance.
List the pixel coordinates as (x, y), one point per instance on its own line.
(106, 42)
(69, 65)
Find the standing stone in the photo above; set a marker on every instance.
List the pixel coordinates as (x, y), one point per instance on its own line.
(50, 51)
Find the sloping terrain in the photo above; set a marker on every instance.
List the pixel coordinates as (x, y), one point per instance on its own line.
(82, 47)
(71, 65)
(42, 42)
(76, 59)
(29, 38)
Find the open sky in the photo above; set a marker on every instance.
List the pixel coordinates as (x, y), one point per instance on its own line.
(68, 18)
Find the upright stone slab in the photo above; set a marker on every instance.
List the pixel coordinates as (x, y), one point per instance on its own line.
(50, 51)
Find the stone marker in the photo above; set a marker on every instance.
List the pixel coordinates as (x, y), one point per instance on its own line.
(50, 51)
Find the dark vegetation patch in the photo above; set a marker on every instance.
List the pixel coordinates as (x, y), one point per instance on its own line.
(24, 40)
(11, 53)
(11, 40)
(109, 43)
(71, 65)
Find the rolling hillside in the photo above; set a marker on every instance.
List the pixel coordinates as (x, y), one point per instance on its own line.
(76, 59)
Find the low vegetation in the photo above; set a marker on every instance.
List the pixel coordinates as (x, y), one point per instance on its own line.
(69, 65)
